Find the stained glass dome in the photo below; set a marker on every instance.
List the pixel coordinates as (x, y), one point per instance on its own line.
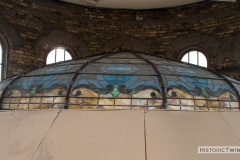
(121, 81)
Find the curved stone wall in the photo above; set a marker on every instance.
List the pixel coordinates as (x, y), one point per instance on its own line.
(32, 26)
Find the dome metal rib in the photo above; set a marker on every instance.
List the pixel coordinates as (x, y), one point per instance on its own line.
(160, 80)
(75, 76)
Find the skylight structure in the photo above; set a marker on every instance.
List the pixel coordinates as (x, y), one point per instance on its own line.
(121, 81)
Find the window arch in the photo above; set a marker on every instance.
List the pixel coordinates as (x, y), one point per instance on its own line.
(3, 57)
(194, 56)
(58, 54)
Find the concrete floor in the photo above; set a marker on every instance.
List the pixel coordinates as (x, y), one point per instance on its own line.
(116, 135)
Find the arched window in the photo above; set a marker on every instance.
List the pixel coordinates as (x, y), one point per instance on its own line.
(58, 54)
(3, 57)
(195, 57)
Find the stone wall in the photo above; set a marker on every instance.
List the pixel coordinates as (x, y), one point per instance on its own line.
(32, 26)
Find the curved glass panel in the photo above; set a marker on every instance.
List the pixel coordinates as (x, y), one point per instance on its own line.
(4, 84)
(42, 92)
(235, 83)
(43, 88)
(73, 62)
(121, 69)
(60, 68)
(190, 87)
(49, 70)
(117, 83)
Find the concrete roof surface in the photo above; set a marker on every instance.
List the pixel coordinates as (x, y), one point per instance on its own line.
(116, 135)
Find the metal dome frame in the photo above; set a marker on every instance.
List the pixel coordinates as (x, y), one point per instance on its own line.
(88, 61)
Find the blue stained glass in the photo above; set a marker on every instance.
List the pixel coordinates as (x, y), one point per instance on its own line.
(209, 81)
(82, 81)
(181, 84)
(138, 84)
(48, 83)
(103, 83)
(38, 82)
(193, 80)
(17, 83)
(41, 84)
(210, 86)
(31, 79)
(96, 83)
(191, 85)
(29, 83)
(216, 87)
(25, 85)
(225, 87)
(133, 79)
(171, 83)
(128, 84)
(203, 81)
(185, 72)
(199, 84)
(65, 81)
(43, 78)
(183, 79)
(51, 83)
(116, 80)
(151, 83)
(119, 68)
